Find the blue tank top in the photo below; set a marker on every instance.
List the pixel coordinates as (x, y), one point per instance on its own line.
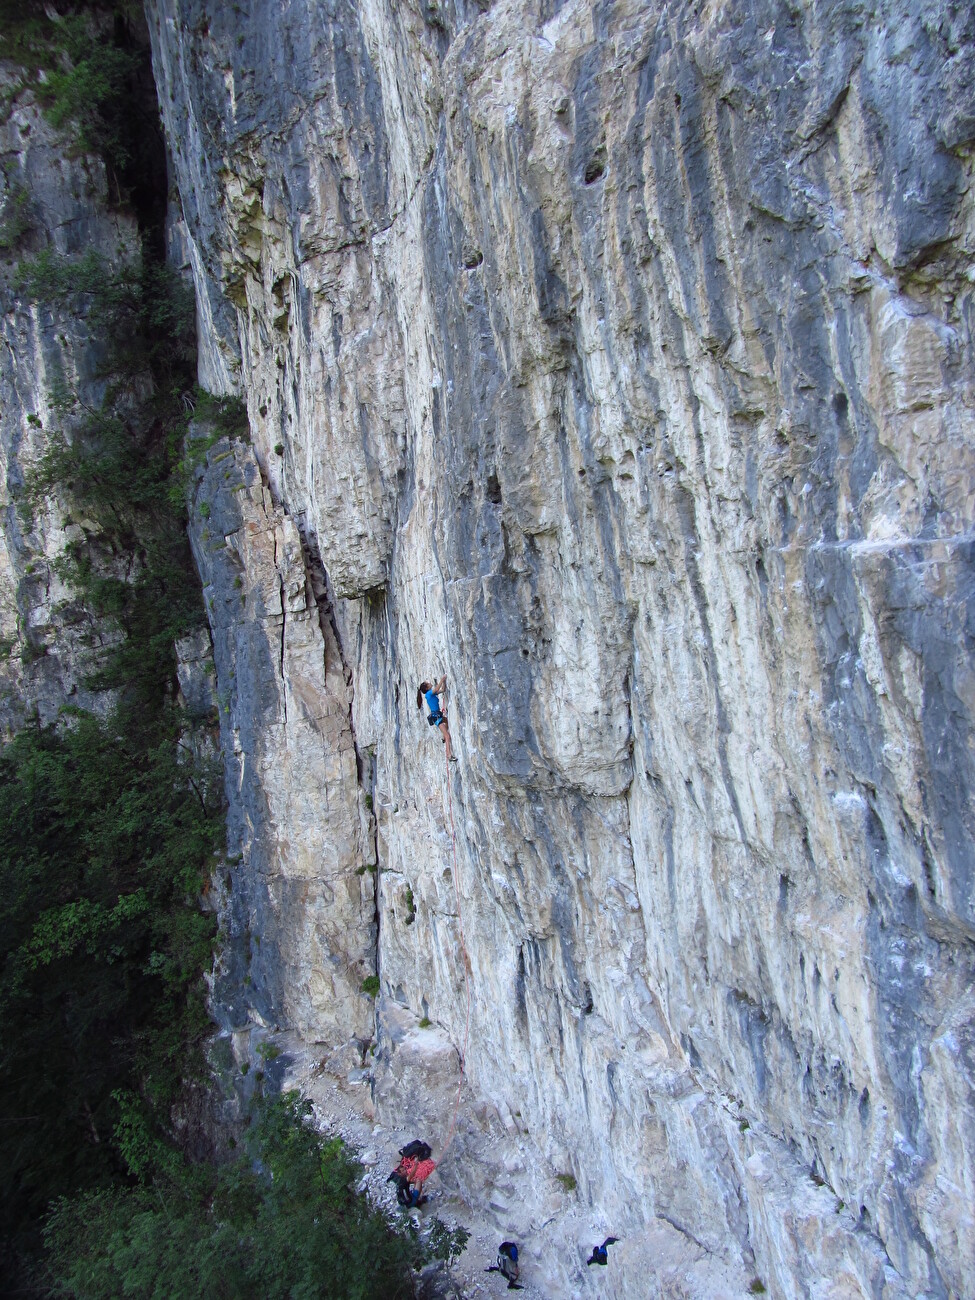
(433, 701)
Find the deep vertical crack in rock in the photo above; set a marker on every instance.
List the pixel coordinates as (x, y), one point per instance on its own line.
(317, 578)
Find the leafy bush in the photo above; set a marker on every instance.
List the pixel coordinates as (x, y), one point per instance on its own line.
(227, 416)
(281, 1220)
(143, 309)
(89, 91)
(91, 67)
(15, 216)
(107, 832)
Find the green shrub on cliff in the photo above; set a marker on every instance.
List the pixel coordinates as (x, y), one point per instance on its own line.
(81, 64)
(116, 466)
(107, 834)
(15, 215)
(281, 1220)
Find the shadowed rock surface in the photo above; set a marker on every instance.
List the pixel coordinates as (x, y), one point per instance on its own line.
(51, 198)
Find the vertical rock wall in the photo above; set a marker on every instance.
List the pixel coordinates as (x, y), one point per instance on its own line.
(616, 359)
(53, 198)
(300, 915)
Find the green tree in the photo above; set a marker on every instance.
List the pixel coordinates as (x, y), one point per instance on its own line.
(84, 62)
(108, 828)
(281, 1220)
(107, 834)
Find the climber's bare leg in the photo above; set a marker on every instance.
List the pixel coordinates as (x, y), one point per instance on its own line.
(445, 732)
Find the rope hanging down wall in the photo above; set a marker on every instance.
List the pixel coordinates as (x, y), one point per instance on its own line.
(467, 967)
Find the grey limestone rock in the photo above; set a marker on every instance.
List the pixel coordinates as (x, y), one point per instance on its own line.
(299, 904)
(56, 199)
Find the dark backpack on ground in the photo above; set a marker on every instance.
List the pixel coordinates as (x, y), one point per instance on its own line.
(415, 1150)
(402, 1188)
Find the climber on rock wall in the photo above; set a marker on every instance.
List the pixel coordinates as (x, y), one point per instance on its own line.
(599, 1255)
(437, 717)
(507, 1265)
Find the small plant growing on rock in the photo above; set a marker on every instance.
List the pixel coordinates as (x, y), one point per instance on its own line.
(279, 448)
(426, 1022)
(30, 653)
(568, 1182)
(370, 985)
(15, 217)
(227, 415)
(445, 1243)
(757, 1286)
(268, 1051)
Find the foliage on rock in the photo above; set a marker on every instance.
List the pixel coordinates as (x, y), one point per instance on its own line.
(107, 832)
(82, 63)
(114, 466)
(282, 1219)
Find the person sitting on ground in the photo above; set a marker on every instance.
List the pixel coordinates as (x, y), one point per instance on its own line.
(402, 1176)
(599, 1255)
(507, 1265)
(409, 1176)
(438, 716)
(421, 1172)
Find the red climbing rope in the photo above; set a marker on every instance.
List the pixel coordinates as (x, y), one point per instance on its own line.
(467, 969)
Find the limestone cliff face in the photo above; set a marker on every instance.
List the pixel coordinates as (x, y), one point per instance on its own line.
(52, 197)
(301, 900)
(616, 359)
